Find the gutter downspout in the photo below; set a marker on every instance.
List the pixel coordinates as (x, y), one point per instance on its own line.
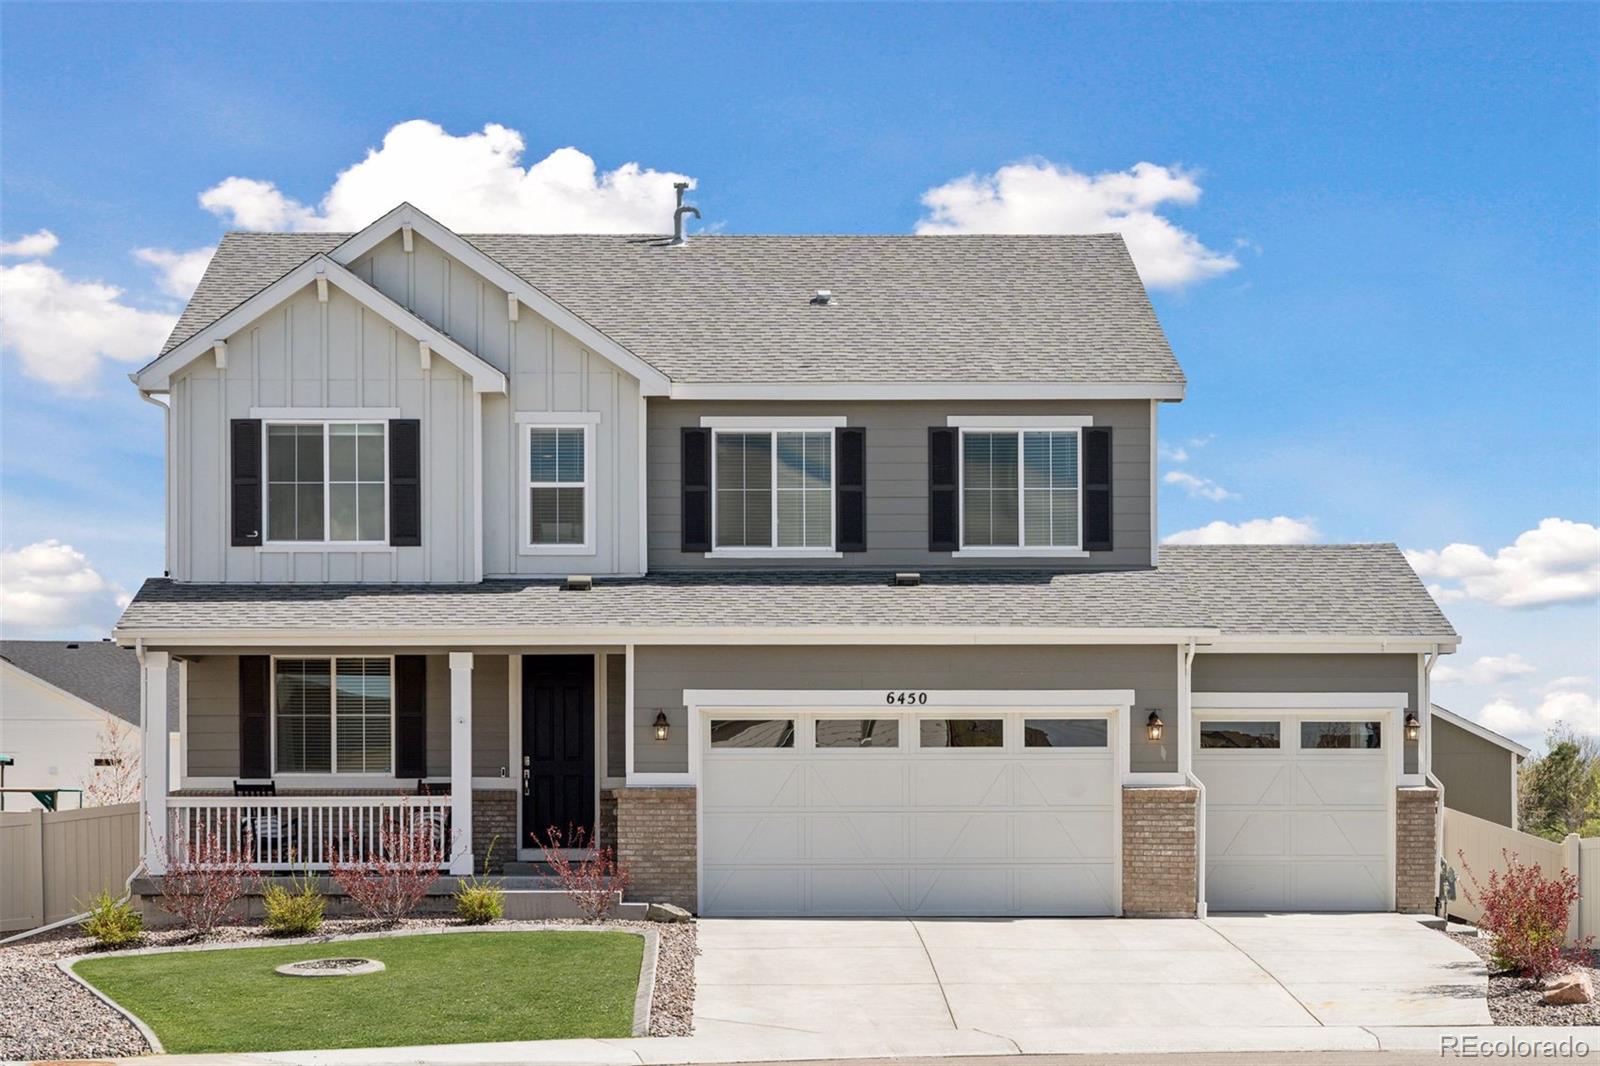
(1425, 697)
(1186, 765)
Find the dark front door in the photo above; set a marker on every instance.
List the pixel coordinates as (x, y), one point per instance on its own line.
(557, 747)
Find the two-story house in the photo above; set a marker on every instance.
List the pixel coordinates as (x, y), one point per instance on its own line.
(816, 575)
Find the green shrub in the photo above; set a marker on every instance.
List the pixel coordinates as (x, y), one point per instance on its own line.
(296, 910)
(113, 922)
(481, 900)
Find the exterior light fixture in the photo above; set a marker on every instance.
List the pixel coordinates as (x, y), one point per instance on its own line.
(1153, 726)
(661, 725)
(1413, 726)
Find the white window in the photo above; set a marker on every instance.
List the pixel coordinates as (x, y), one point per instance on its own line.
(327, 482)
(558, 499)
(773, 489)
(1021, 489)
(333, 715)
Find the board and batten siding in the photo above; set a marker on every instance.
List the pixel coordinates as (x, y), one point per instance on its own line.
(547, 372)
(661, 673)
(1311, 673)
(897, 478)
(1476, 773)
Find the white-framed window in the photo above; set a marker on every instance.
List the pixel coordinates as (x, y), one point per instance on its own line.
(1021, 490)
(326, 482)
(773, 490)
(558, 491)
(333, 715)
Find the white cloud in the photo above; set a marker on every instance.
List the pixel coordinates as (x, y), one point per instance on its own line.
(1485, 670)
(1569, 682)
(1200, 487)
(1278, 530)
(1557, 562)
(474, 182)
(1572, 707)
(61, 329)
(180, 271)
(33, 246)
(1176, 453)
(50, 588)
(1043, 197)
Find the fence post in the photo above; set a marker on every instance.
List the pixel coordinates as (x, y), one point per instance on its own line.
(35, 887)
(1572, 859)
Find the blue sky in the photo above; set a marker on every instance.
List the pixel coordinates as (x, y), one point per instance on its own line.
(1399, 343)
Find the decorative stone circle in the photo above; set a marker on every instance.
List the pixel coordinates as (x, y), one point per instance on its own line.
(330, 967)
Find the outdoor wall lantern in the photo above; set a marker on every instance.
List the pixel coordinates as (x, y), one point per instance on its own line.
(1413, 727)
(1153, 726)
(661, 725)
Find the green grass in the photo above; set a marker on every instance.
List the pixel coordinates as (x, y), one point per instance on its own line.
(438, 989)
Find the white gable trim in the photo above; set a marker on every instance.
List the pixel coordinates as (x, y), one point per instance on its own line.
(1482, 732)
(652, 382)
(157, 376)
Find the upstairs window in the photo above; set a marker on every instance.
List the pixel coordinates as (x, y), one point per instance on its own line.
(327, 482)
(774, 489)
(559, 496)
(1020, 489)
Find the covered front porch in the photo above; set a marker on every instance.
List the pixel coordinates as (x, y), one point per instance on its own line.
(300, 757)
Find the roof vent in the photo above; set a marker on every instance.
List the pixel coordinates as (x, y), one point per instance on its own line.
(72, 645)
(908, 579)
(578, 583)
(823, 298)
(678, 236)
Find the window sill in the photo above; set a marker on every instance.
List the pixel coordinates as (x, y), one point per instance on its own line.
(1020, 553)
(324, 546)
(774, 553)
(556, 549)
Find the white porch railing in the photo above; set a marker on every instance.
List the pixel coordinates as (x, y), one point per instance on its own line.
(304, 832)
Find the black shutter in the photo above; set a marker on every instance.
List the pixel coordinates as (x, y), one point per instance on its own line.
(1097, 489)
(255, 723)
(405, 482)
(410, 716)
(850, 448)
(696, 465)
(943, 479)
(245, 434)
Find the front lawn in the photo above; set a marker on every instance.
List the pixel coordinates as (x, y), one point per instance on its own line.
(438, 989)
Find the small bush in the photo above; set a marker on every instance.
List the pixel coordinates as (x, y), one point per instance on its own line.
(296, 910)
(481, 900)
(1525, 915)
(206, 878)
(595, 884)
(112, 922)
(390, 881)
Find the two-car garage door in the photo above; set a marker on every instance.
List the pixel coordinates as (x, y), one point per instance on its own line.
(1298, 810)
(927, 813)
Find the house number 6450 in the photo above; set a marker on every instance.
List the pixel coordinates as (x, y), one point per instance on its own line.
(906, 699)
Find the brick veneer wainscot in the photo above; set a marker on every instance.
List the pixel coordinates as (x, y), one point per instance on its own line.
(1415, 853)
(1158, 852)
(656, 842)
(494, 818)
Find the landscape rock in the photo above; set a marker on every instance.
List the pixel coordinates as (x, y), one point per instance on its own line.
(666, 912)
(1568, 989)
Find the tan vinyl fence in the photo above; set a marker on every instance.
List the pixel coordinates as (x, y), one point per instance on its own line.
(1482, 842)
(52, 862)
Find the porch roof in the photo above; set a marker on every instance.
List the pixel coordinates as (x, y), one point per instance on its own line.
(1326, 590)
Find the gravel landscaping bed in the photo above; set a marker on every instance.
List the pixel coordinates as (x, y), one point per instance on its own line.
(1515, 1001)
(48, 1015)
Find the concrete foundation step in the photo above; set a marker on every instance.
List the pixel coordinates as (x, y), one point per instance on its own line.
(531, 905)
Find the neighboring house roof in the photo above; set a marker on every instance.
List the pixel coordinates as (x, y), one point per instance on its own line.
(96, 671)
(1481, 731)
(1353, 591)
(1001, 309)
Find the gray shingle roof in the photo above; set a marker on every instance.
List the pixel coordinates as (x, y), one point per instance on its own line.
(97, 672)
(1358, 590)
(736, 309)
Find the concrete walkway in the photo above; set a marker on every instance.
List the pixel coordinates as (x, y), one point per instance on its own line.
(1013, 977)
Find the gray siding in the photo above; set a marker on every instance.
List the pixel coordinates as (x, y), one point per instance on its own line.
(616, 682)
(662, 673)
(897, 477)
(1476, 773)
(213, 716)
(1311, 673)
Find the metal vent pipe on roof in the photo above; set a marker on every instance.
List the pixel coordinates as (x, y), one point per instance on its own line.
(678, 236)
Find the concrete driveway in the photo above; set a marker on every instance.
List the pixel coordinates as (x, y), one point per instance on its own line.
(1004, 976)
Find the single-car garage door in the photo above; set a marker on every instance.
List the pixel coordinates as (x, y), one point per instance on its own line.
(937, 813)
(1298, 811)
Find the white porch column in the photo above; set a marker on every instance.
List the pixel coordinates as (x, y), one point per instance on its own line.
(153, 757)
(461, 760)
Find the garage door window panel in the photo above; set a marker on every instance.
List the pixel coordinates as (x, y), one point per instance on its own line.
(1241, 735)
(961, 732)
(756, 733)
(857, 733)
(1341, 736)
(1047, 733)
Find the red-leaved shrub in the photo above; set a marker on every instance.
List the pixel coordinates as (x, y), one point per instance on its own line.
(205, 878)
(387, 876)
(595, 883)
(1525, 914)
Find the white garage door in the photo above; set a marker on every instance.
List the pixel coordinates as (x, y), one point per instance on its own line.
(1297, 811)
(930, 814)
